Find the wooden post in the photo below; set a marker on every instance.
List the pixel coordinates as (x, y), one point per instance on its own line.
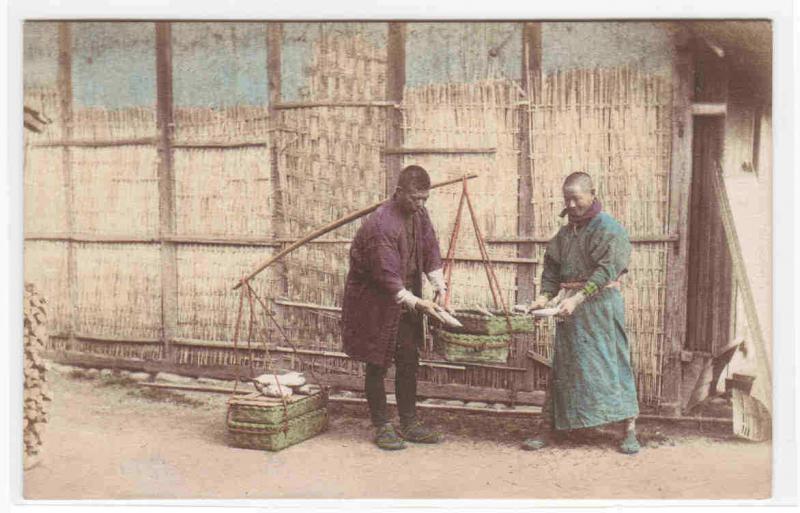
(740, 274)
(166, 186)
(66, 100)
(679, 191)
(531, 71)
(395, 82)
(279, 225)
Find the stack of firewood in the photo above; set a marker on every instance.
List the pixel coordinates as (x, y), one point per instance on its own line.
(36, 395)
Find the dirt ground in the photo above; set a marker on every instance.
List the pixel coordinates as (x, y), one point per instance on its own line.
(111, 439)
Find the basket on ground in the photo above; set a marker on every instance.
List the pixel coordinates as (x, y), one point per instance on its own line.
(266, 423)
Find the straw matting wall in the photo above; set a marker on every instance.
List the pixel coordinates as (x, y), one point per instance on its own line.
(45, 264)
(480, 116)
(330, 161)
(232, 210)
(115, 190)
(207, 307)
(119, 290)
(615, 125)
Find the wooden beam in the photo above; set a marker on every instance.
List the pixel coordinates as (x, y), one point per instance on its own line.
(531, 73)
(395, 83)
(709, 109)
(740, 274)
(166, 184)
(219, 344)
(438, 151)
(527, 262)
(66, 105)
(116, 339)
(274, 81)
(438, 391)
(312, 104)
(219, 145)
(257, 241)
(424, 389)
(679, 192)
(96, 143)
(545, 240)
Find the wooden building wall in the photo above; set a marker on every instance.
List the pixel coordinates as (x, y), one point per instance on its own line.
(182, 154)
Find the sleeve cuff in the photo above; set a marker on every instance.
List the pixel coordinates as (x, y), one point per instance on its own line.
(589, 289)
(405, 297)
(437, 280)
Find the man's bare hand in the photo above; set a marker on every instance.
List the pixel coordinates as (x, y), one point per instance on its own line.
(539, 303)
(429, 308)
(569, 305)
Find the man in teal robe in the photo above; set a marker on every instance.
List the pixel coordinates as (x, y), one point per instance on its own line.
(592, 381)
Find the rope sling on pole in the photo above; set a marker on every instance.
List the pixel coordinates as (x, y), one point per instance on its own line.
(494, 284)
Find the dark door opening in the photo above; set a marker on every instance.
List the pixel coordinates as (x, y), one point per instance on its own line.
(709, 296)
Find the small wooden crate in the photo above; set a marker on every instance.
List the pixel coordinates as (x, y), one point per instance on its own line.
(469, 348)
(258, 422)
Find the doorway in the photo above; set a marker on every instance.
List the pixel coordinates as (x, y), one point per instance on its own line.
(709, 295)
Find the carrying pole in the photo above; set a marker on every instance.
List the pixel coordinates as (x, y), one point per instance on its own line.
(330, 227)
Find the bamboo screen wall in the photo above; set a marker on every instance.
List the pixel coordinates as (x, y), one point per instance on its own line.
(614, 124)
(233, 210)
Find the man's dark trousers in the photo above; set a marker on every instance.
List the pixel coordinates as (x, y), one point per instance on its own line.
(406, 360)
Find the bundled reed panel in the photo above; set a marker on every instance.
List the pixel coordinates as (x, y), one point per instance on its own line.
(644, 290)
(119, 290)
(614, 124)
(115, 190)
(100, 125)
(223, 192)
(340, 61)
(330, 164)
(45, 191)
(45, 266)
(46, 101)
(475, 116)
(221, 126)
(207, 307)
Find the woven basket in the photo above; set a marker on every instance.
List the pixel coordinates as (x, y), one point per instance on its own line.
(469, 348)
(258, 422)
(248, 435)
(259, 409)
(479, 323)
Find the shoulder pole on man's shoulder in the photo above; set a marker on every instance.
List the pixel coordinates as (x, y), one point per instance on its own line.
(330, 227)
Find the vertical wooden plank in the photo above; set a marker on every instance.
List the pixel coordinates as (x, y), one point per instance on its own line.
(166, 185)
(743, 283)
(395, 82)
(274, 52)
(531, 71)
(679, 193)
(65, 95)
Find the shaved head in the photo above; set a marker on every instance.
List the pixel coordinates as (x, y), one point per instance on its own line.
(578, 194)
(580, 181)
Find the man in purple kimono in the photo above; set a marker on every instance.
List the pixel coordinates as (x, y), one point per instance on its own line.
(382, 306)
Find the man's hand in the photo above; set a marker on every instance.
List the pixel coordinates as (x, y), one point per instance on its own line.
(429, 308)
(438, 298)
(570, 304)
(539, 303)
